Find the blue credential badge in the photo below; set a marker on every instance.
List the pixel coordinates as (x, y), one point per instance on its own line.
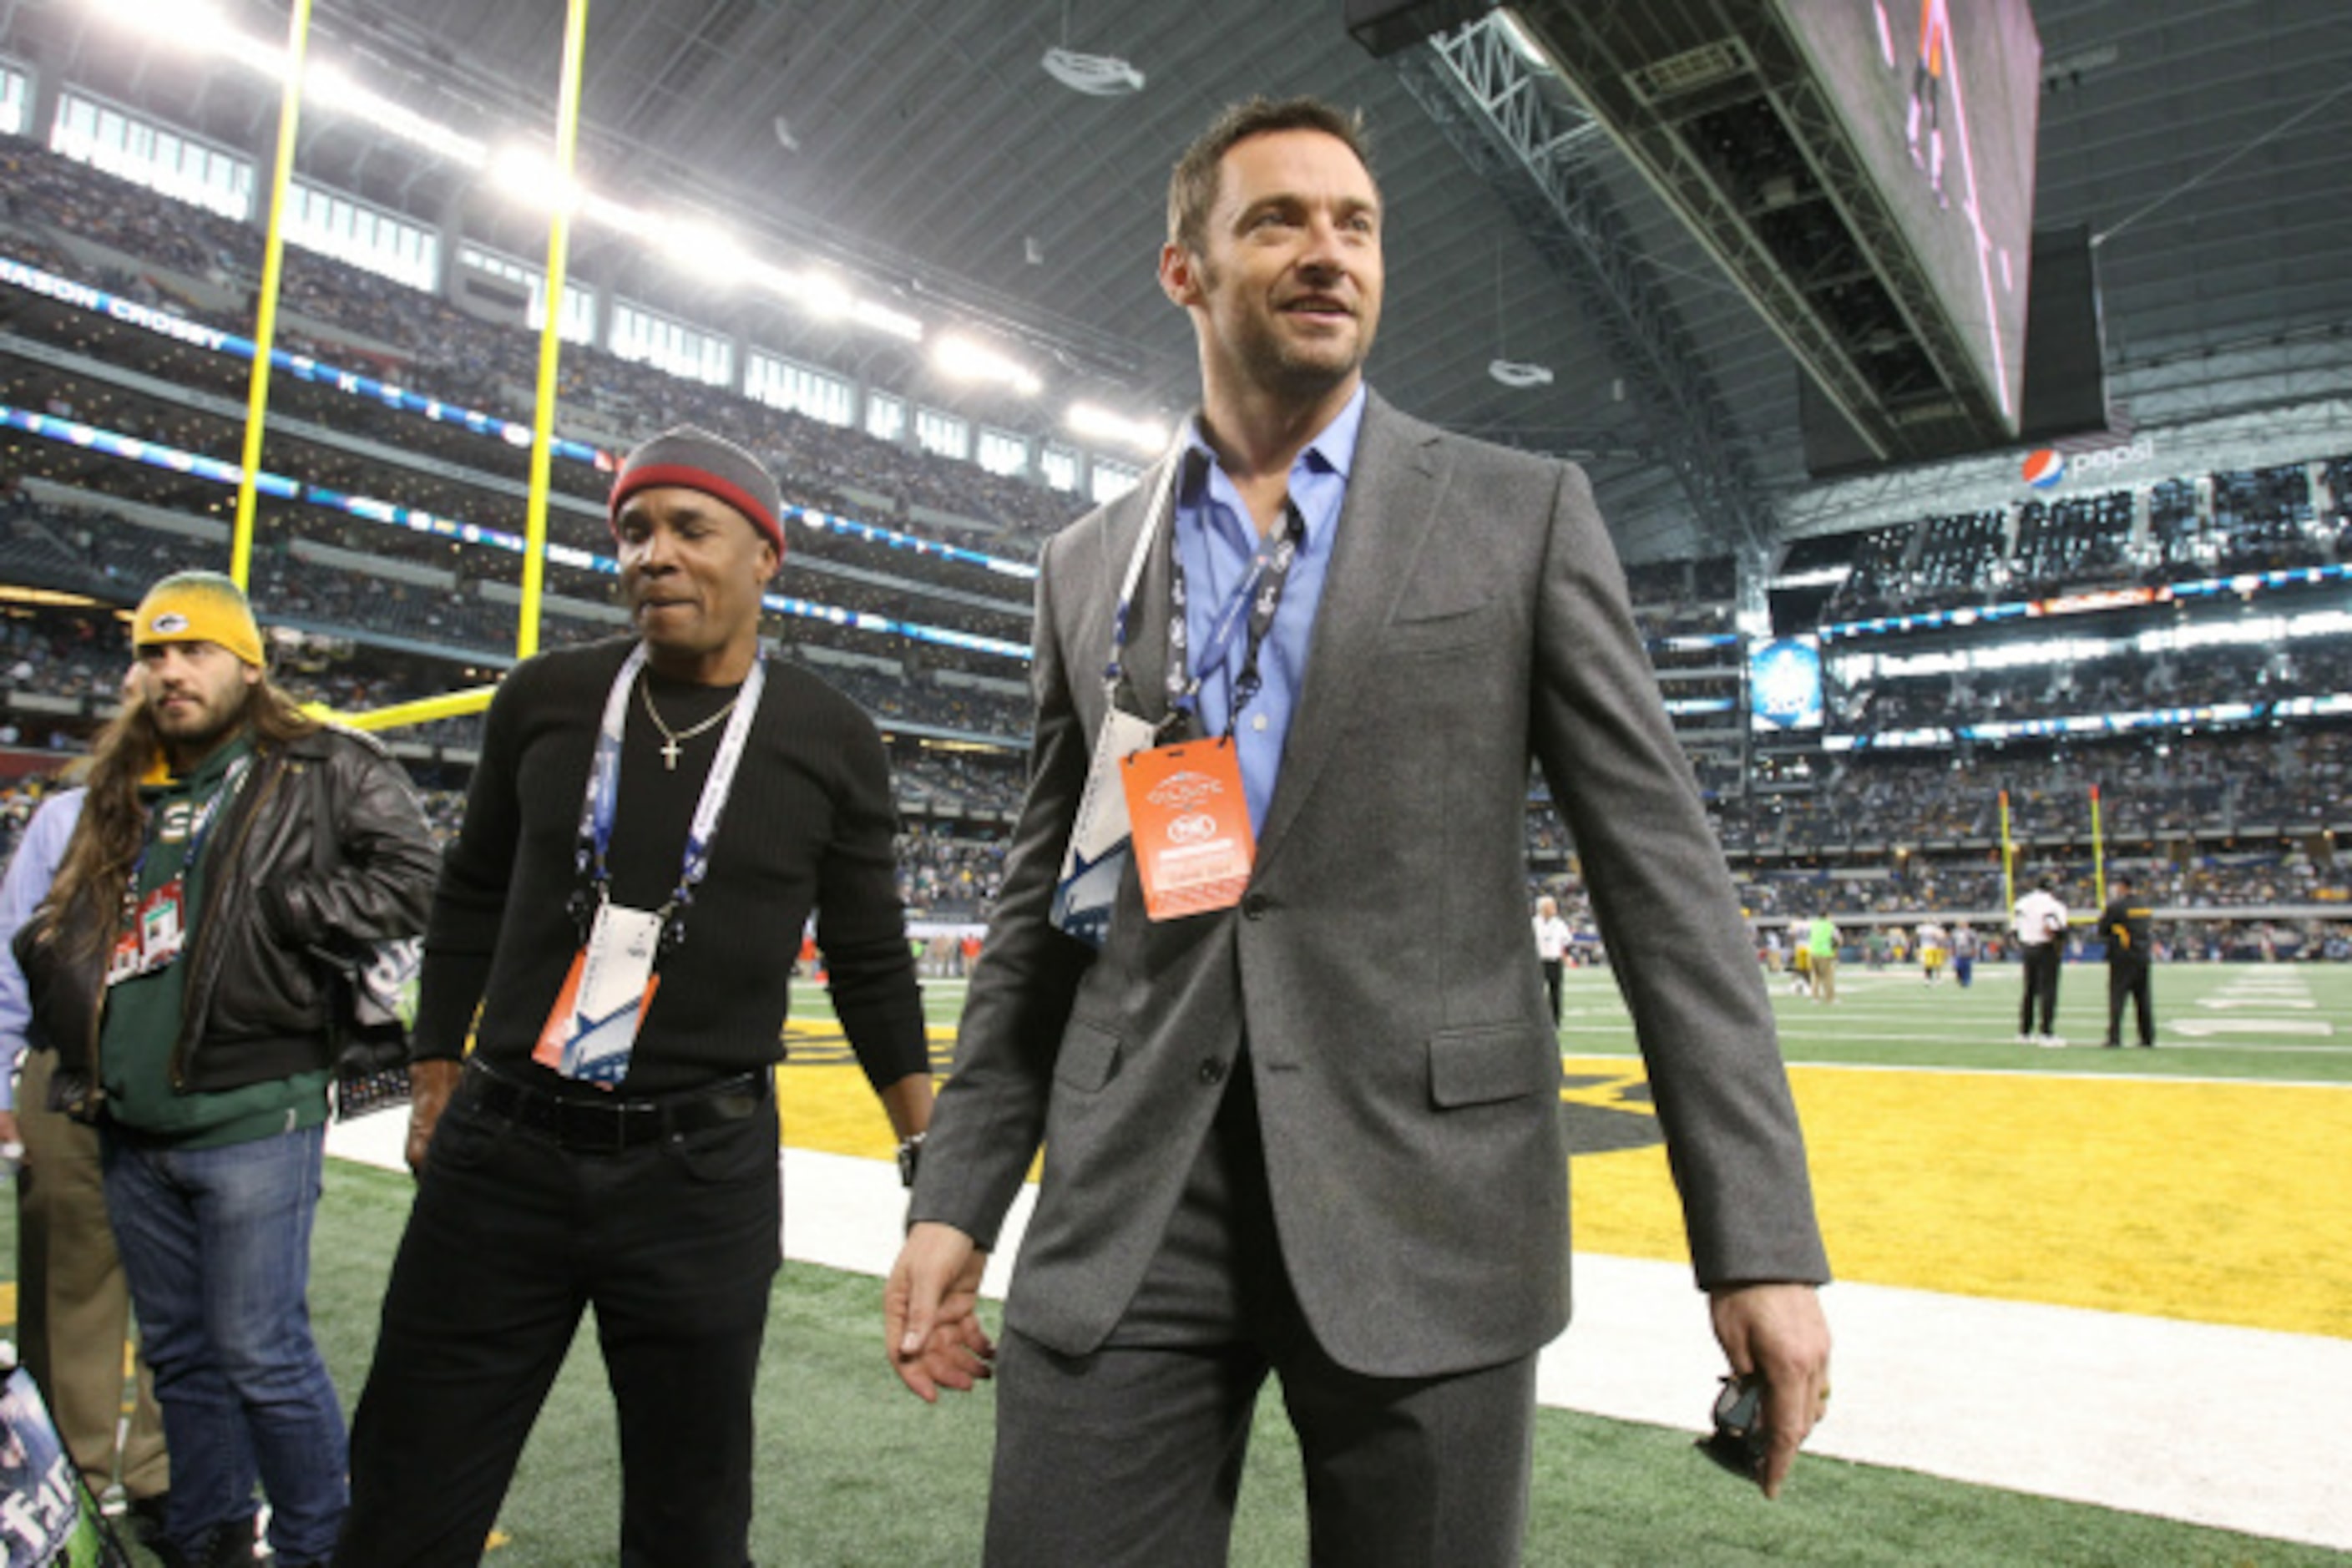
(1101, 846)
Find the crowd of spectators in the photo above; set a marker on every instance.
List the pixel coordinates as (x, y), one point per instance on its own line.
(850, 575)
(424, 342)
(2217, 525)
(182, 260)
(2216, 784)
(948, 876)
(2124, 682)
(2259, 520)
(1683, 598)
(2218, 885)
(107, 554)
(945, 872)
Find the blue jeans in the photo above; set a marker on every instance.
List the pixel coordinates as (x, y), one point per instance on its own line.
(217, 1242)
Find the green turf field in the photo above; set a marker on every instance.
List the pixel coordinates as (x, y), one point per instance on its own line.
(854, 1474)
(2291, 1021)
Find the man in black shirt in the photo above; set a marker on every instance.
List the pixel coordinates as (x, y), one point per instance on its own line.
(2123, 926)
(623, 903)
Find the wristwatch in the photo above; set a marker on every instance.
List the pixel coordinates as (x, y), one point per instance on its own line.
(911, 1155)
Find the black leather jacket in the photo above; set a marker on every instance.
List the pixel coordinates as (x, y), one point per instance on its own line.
(324, 852)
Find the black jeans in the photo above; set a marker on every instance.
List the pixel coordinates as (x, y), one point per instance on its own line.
(2128, 977)
(2041, 989)
(673, 1242)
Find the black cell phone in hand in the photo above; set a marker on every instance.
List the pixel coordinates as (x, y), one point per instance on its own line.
(1738, 1442)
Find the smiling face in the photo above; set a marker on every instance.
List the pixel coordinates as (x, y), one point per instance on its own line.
(692, 571)
(196, 693)
(1284, 292)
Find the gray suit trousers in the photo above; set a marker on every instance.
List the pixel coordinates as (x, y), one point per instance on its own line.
(1132, 1457)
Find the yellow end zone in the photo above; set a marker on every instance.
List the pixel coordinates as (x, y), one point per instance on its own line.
(2218, 1203)
(2211, 1202)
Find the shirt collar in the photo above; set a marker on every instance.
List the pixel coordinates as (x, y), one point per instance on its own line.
(1332, 450)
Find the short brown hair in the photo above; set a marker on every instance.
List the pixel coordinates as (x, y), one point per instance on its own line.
(1192, 183)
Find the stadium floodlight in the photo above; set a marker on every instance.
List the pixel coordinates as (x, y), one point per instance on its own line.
(199, 27)
(202, 25)
(1093, 419)
(820, 294)
(702, 249)
(526, 174)
(1518, 376)
(329, 86)
(827, 297)
(612, 213)
(190, 24)
(882, 319)
(968, 359)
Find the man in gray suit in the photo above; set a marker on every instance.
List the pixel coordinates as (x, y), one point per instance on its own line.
(1314, 1129)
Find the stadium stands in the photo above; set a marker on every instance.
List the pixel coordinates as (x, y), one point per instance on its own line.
(2210, 716)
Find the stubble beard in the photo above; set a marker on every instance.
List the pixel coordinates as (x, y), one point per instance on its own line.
(202, 732)
(1299, 372)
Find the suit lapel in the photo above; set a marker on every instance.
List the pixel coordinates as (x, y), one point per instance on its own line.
(1392, 508)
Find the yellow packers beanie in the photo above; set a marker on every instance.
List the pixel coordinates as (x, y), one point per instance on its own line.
(198, 606)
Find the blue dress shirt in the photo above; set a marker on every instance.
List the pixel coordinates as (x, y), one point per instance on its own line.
(38, 854)
(1216, 539)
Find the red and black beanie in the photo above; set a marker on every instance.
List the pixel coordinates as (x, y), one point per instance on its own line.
(697, 460)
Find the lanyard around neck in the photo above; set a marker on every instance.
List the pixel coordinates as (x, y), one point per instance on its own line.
(1255, 599)
(596, 811)
(1162, 510)
(223, 793)
(1259, 594)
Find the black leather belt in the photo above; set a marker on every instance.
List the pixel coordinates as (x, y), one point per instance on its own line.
(600, 1126)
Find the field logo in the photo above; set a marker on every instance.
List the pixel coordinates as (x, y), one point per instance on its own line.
(2044, 469)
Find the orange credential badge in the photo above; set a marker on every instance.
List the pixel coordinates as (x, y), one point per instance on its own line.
(1191, 827)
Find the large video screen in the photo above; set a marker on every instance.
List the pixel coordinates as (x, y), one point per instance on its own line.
(1941, 99)
(1784, 685)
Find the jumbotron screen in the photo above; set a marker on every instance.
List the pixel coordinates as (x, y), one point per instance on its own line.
(1784, 685)
(1941, 98)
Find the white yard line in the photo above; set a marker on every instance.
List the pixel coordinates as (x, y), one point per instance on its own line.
(2224, 1426)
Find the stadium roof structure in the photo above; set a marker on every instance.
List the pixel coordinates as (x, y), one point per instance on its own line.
(922, 150)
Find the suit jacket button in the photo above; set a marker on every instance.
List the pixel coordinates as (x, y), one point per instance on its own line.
(1252, 905)
(1213, 1071)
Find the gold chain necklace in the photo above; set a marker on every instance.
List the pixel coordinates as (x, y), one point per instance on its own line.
(671, 739)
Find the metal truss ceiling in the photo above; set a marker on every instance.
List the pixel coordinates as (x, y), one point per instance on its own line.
(1536, 153)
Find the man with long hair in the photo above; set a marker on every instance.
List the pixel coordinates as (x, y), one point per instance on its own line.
(231, 852)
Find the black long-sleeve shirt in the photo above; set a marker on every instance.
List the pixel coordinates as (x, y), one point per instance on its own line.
(810, 824)
(2124, 927)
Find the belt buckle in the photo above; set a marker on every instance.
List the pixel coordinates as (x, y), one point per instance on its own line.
(591, 1128)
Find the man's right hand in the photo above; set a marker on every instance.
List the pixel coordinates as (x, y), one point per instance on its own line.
(430, 1084)
(931, 1313)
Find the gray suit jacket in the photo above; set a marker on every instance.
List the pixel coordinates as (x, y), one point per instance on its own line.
(1379, 967)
